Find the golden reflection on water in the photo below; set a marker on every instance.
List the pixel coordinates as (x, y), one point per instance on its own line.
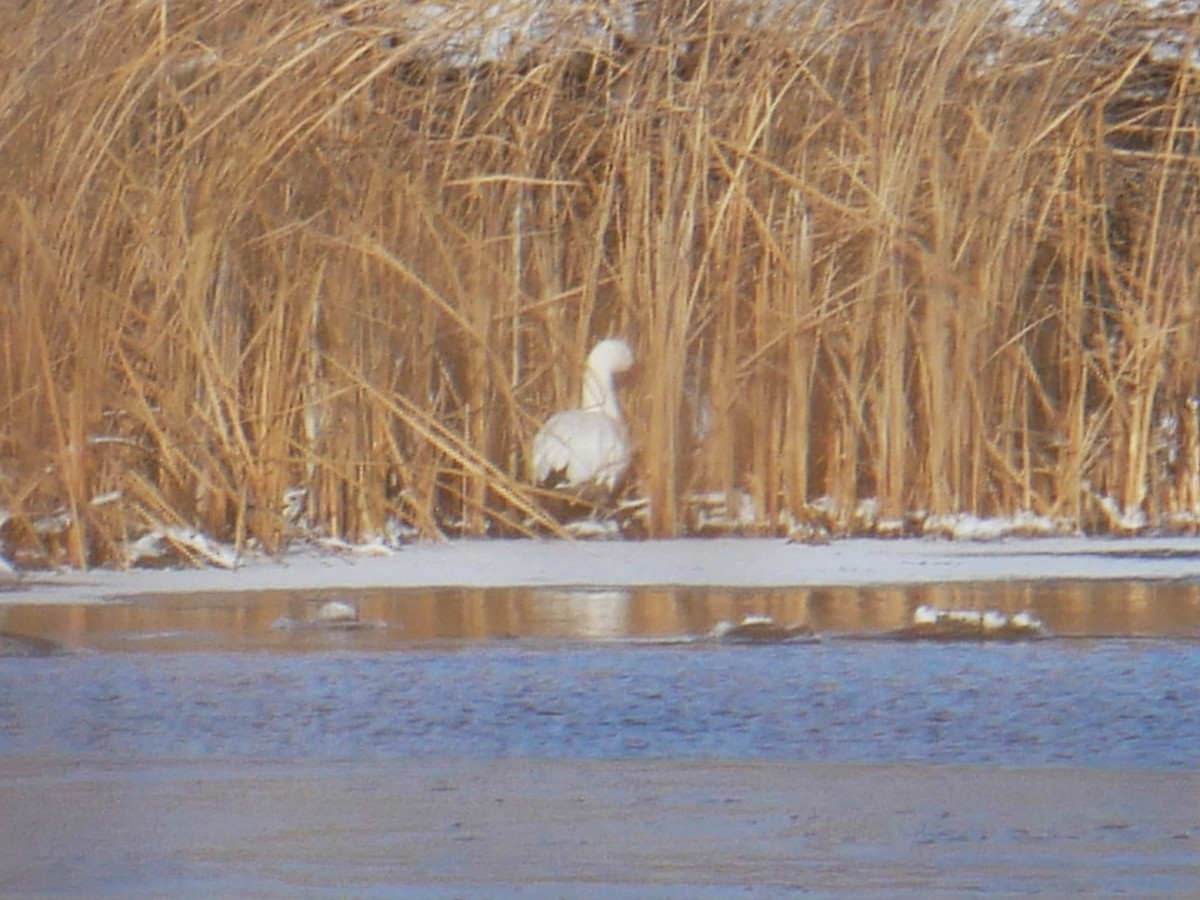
(389, 618)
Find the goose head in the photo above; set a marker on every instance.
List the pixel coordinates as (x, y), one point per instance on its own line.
(607, 359)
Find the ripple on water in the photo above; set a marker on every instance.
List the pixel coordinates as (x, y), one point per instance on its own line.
(1115, 703)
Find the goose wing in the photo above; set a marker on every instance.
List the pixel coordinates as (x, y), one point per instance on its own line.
(579, 447)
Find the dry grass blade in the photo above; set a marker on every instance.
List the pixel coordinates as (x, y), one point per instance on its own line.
(275, 269)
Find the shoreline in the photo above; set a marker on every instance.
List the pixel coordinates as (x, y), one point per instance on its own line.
(686, 562)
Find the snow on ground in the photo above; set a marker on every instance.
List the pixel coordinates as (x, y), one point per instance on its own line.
(730, 562)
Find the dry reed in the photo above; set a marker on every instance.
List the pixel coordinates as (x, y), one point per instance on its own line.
(278, 268)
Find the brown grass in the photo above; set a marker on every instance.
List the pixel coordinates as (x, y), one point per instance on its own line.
(888, 251)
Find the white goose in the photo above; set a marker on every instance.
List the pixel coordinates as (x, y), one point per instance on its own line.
(588, 446)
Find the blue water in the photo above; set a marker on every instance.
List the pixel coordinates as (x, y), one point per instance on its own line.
(1111, 703)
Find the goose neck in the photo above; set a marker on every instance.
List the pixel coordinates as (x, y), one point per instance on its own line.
(600, 393)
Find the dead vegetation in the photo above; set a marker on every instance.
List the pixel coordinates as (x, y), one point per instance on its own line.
(271, 267)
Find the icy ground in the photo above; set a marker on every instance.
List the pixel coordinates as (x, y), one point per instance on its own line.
(731, 562)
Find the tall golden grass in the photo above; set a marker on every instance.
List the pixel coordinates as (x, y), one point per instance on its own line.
(879, 250)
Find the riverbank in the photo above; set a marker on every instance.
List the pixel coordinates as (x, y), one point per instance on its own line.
(723, 562)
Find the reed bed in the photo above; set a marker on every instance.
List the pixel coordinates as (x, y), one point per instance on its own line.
(275, 268)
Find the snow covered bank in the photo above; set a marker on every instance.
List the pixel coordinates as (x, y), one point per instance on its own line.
(732, 562)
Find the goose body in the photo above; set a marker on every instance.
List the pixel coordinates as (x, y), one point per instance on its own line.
(588, 446)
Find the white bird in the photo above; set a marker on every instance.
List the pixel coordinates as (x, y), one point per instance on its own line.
(588, 446)
(994, 620)
(1026, 621)
(925, 615)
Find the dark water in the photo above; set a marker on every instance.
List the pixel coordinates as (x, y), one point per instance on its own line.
(583, 675)
(1113, 703)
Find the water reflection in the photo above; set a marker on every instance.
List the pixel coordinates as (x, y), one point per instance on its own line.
(396, 618)
(586, 613)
